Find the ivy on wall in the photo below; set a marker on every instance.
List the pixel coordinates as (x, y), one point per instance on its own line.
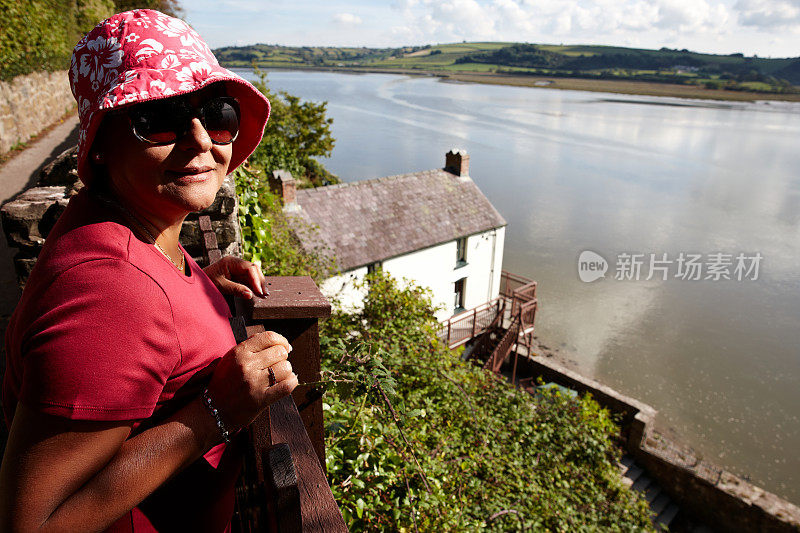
(39, 35)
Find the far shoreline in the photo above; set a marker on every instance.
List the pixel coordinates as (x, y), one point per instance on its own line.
(669, 90)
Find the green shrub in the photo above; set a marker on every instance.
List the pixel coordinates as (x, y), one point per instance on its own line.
(268, 237)
(39, 35)
(448, 446)
(36, 35)
(90, 12)
(169, 7)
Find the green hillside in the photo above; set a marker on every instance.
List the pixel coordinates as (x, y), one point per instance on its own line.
(733, 72)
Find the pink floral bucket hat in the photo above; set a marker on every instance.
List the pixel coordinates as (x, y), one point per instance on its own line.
(144, 55)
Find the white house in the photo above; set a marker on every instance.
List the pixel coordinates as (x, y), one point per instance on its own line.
(435, 228)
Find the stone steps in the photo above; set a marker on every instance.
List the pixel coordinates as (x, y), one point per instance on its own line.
(663, 510)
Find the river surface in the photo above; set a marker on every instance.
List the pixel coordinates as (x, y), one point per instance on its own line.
(617, 174)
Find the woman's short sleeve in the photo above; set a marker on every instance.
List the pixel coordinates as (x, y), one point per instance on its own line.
(103, 345)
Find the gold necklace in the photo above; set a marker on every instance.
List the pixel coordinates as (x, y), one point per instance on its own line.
(180, 266)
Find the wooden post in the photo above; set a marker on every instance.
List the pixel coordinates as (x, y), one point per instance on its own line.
(448, 332)
(300, 497)
(514, 372)
(474, 322)
(293, 308)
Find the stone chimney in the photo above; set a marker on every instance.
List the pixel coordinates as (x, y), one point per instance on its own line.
(457, 162)
(284, 185)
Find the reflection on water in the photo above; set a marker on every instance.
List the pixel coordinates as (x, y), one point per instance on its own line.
(575, 171)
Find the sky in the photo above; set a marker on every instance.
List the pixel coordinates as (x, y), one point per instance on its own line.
(767, 28)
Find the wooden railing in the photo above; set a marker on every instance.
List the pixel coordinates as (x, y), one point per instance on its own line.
(516, 306)
(527, 313)
(521, 292)
(517, 288)
(465, 326)
(503, 348)
(283, 487)
(511, 283)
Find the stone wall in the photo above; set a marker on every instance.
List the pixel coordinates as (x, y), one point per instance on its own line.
(708, 493)
(712, 495)
(29, 218)
(31, 103)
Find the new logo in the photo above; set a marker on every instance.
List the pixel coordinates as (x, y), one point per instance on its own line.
(591, 266)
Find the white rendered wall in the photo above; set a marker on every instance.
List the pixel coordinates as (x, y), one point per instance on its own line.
(435, 268)
(342, 291)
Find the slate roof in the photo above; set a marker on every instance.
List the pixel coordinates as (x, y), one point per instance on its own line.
(373, 220)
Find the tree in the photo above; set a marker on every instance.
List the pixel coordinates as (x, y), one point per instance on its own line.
(296, 133)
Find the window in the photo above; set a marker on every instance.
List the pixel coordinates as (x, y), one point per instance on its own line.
(461, 252)
(459, 294)
(374, 267)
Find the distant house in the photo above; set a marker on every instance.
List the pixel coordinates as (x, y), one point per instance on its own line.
(433, 227)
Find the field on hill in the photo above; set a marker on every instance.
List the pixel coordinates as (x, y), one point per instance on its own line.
(664, 72)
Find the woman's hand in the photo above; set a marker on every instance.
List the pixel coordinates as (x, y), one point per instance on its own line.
(240, 386)
(72, 475)
(233, 275)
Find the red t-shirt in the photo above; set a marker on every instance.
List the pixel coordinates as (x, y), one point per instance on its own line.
(108, 329)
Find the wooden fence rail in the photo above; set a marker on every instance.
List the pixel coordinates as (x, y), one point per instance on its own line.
(516, 294)
(283, 487)
(511, 283)
(465, 326)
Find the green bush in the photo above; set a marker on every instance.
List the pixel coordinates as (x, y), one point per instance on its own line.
(169, 7)
(36, 35)
(268, 237)
(90, 12)
(448, 446)
(39, 35)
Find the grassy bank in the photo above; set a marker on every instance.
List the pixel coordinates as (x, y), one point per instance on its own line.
(570, 84)
(664, 72)
(620, 87)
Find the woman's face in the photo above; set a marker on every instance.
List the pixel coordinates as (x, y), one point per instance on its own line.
(166, 182)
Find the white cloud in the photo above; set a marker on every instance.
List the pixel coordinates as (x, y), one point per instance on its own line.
(347, 19)
(765, 27)
(690, 16)
(567, 20)
(769, 14)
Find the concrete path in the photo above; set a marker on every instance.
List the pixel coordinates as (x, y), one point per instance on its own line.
(16, 175)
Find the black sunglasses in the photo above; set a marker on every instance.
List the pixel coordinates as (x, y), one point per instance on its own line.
(163, 122)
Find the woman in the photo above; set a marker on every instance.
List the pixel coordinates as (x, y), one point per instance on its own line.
(124, 387)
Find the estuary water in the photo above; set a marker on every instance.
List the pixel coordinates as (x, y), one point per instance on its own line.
(630, 178)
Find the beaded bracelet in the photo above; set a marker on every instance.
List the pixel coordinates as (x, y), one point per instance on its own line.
(215, 413)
